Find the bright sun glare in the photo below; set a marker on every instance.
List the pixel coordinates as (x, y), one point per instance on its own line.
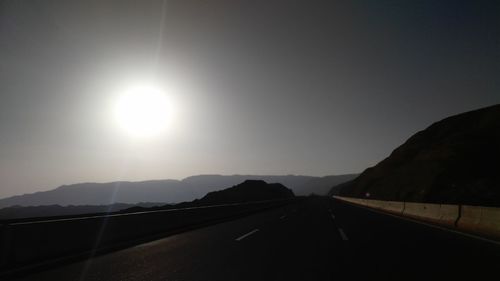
(142, 112)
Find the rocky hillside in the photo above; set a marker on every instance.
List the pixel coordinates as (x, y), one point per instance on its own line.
(456, 160)
(167, 191)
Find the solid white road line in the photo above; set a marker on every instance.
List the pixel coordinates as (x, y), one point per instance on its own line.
(246, 235)
(333, 216)
(342, 234)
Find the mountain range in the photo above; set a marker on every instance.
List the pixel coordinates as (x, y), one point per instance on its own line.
(247, 191)
(165, 191)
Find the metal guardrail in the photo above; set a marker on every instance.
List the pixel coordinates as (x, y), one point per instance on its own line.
(115, 214)
(28, 242)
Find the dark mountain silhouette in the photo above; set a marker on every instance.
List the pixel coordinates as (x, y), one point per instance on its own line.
(247, 191)
(18, 212)
(300, 185)
(167, 191)
(456, 161)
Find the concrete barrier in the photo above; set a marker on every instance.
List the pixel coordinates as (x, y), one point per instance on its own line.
(490, 221)
(470, 217)
(423, 210)
(372, 203)
(367, 202)
(393, 206)
(449, 214)
(480, 220)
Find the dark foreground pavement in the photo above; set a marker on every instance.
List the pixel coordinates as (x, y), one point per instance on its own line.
(316, 239)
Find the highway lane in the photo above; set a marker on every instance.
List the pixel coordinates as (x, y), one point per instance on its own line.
(392, 248)
(315, 239)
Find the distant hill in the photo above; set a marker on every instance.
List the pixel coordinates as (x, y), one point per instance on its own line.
(456, 160)
(167, 191)
(247, 191)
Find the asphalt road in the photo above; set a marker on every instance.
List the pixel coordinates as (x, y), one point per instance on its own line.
(315, 239)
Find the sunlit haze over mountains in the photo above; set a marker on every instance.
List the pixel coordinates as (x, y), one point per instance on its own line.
(100, 91)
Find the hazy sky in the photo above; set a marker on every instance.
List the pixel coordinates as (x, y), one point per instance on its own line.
(256, 87)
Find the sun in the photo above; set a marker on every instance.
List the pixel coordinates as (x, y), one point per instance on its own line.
(142, 111)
